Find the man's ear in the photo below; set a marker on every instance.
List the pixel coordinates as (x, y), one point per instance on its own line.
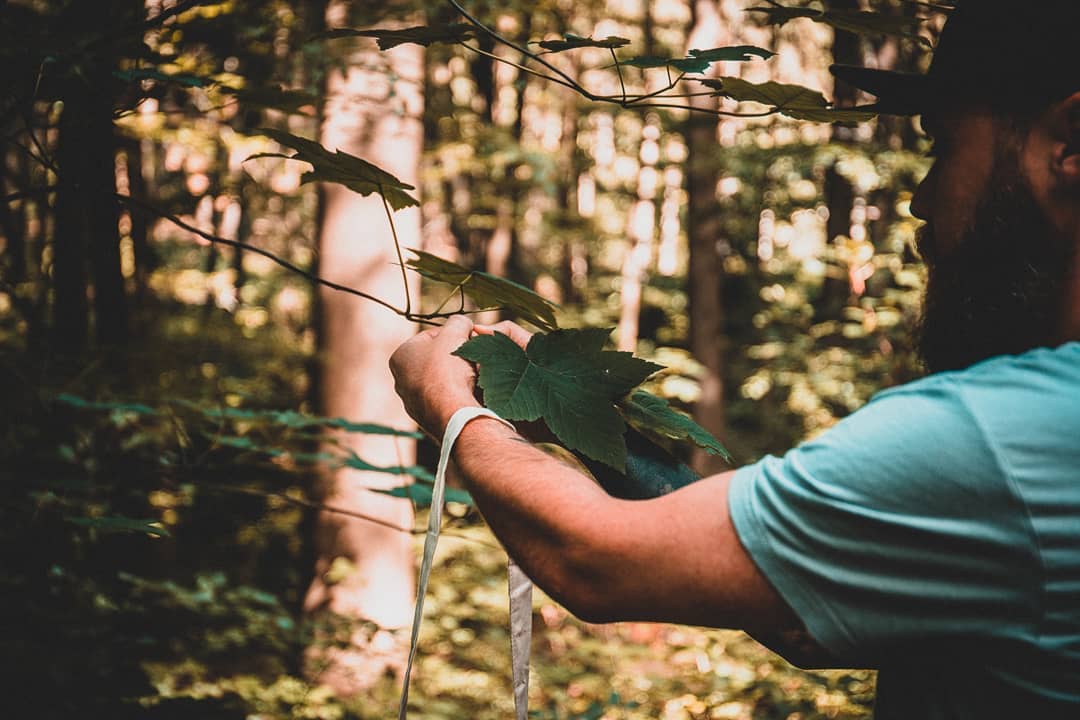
(1068, 127)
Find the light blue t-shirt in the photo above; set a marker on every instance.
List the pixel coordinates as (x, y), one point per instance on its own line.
(935, 535)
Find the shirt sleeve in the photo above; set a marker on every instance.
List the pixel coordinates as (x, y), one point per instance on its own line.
(895, 529)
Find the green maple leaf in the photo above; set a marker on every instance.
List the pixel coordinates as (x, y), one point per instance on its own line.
(651, 415)
(567, 379)
(421, 35)
(486, 290)
(342, 168)
(571, 41)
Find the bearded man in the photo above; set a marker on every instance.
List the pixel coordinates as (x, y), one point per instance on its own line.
(935, 533)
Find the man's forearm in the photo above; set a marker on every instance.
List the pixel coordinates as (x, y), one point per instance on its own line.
(547, 514)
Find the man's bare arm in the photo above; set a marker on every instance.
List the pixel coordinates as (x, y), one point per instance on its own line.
(675, 558)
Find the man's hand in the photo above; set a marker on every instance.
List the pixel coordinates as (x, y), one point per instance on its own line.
(432, 382)
(512, 330)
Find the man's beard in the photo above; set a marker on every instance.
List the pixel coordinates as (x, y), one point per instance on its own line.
(1000, 291)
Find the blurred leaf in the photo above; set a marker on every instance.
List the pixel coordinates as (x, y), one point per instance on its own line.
(778, 95)
(794, 101)
(735, 53)
(572, 42)
(860, 22)
(833, 115)
(293, 419)
(338, 167)
(420, 35)
(83, 404)
(274, 97)
(421, 493)
(700, 60)
(650, 414)
(122, 524)
(356, 463)
(486, 290)
(566, 378)
(140, 74)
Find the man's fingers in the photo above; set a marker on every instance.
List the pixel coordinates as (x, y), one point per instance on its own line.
(456, 329)
(512, 330)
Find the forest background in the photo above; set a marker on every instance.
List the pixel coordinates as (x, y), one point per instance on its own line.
(204, 466)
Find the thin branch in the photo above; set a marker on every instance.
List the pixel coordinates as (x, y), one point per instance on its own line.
(524, 51)
(670, 86)
(311, 505)
(522, 68)
(425, 318)
(32, 192)
(178, 9)
(397, 249)
(618, 69)
(146, 207)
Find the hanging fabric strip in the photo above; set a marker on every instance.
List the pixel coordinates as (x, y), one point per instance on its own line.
(520, 586)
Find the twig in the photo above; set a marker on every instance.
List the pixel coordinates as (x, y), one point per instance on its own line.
(311, 505)
(425, 318)
(524, 51)
(32, 192)
(397, 249)
(522, 68)
(618, 70)
(146, 207)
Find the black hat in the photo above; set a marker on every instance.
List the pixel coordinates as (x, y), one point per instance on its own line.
(997, 53)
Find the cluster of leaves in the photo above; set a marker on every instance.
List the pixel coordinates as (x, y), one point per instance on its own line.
(580, 390)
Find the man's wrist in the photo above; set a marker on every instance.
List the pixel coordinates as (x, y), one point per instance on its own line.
(447, 412)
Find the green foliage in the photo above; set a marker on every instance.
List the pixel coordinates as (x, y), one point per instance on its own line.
(421, 35)
(488, 291)
(653, 416)
(567, 379)
(571, 41)
(420, 493)
(340, 167)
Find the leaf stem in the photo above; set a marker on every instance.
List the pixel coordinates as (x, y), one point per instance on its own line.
(397, 249)
(618, 69)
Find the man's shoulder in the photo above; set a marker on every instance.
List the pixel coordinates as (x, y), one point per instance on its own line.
(1017, 403)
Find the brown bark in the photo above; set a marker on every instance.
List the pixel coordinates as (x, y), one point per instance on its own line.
(705, 278)
(374, 115)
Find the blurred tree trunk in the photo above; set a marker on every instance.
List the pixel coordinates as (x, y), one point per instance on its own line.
(642, 229)
(373, 110)
(140, 231)
(705, 278)
(839, 192)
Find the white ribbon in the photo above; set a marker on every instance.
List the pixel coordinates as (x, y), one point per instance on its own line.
(520, 585)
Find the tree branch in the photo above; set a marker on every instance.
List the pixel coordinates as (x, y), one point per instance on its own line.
(311, 505)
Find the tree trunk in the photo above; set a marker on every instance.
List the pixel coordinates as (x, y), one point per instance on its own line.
(839, 192)
(69, 255)
(705, 277)
(377, 116)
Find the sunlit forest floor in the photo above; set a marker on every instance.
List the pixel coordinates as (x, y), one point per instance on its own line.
(625, 671)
